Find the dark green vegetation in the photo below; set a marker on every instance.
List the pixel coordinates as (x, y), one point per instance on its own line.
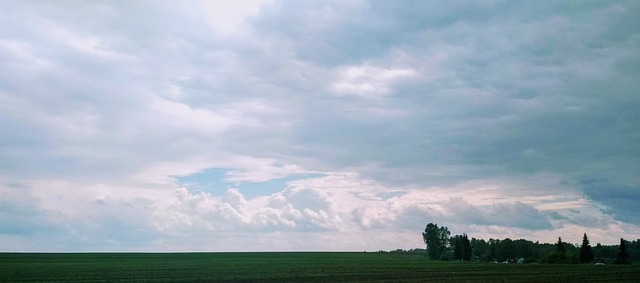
(289, 267)
(442, 246)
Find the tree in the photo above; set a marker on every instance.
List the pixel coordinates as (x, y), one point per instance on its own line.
(508, 249)
(437, 240)
(560, 255)
(466, 247)
(586, 254)
(635, 250)
(560, 246)
(597, 250)
(623, 254)
(457, 247)
(495, 253)
(462, 247)
(444, 239)
(480, 249)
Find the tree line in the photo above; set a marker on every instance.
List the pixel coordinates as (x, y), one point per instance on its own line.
(440, 245)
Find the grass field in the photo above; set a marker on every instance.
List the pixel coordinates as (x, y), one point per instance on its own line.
(288, 267)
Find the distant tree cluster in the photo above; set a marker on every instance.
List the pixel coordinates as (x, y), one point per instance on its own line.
(440, 245)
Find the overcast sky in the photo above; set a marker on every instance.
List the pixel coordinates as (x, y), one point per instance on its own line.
(316, 125)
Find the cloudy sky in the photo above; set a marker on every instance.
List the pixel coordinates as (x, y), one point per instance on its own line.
(316, 125)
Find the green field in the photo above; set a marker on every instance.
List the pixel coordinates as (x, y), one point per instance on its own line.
(287, 267)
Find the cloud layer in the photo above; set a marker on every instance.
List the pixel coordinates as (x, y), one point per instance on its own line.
(157, 126)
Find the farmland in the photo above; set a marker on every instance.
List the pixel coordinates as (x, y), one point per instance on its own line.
(287, 267)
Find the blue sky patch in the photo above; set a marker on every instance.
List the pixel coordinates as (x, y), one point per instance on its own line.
(213, 181)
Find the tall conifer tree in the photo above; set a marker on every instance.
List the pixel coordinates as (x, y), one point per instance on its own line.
(623, 254)
(586, 254)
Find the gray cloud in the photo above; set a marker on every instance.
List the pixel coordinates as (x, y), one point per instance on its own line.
(515, 214)
(622, 201)
(407, 94)
(507, 80)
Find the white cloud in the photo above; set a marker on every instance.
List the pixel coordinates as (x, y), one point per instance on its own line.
(177, 115)
(230, 17)
(368, 81)
(341, 208)
(19, 54)
(259, 170)
(294, 209)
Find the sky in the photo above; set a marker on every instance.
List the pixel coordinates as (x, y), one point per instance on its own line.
(316, 125)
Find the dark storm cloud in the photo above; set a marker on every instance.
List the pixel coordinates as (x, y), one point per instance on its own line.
(621, 201)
